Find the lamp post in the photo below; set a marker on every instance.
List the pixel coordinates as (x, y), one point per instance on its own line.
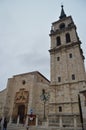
(44, 97)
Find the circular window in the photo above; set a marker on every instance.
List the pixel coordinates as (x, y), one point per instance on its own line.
(62, 25)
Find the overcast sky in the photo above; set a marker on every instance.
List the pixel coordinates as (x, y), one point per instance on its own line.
(24, 34)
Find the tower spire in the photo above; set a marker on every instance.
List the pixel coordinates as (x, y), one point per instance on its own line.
(62, 15)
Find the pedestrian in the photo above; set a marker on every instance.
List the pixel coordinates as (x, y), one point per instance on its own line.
(0, 123)
(24, 121)
(5, 124)
(27, 127)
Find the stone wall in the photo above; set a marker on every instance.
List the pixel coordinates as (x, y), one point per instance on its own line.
(2, 102)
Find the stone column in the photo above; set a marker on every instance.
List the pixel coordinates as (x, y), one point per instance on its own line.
(26, 122)
(75, 122)
(47, 121)
(36, 120)
(10, 120)
(60, 121)
(18, 120)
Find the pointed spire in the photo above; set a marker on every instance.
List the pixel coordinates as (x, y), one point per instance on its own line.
(62, 15)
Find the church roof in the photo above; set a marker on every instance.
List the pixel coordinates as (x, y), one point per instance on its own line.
(33, 73)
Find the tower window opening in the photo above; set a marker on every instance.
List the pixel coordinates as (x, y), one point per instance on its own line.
(58, 41)
(60, 109)
(73, 76)
(59, 79)
(70, 55)
(23, 82)
(58, 58)
(68, 38)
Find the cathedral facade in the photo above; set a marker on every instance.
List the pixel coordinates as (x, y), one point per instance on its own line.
(65, 106)
(23, 97)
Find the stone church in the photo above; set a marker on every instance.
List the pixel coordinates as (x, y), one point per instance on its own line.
(60, 102)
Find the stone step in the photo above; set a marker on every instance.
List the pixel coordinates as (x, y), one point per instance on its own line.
(21, 127)
(16, 127)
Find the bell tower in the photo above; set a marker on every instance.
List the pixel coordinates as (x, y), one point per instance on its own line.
(67, 60)
(66, 67)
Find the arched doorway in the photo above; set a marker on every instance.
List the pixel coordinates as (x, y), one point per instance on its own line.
(21, 113)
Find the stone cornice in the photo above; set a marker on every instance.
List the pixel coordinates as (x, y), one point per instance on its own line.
(65, 46)
(59, 31)
(61, 20)
(75, 82)
(63, 103)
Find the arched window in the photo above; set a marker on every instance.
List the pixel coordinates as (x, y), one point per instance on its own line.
(62, 26)
(58, 41)
(68, 38)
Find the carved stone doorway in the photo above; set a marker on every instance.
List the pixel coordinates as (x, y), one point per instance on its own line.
(20, 106)
(21, 113)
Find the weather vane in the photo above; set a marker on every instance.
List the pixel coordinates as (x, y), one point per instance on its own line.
(62, 3)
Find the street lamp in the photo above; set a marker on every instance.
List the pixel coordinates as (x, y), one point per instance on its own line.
(44, 97)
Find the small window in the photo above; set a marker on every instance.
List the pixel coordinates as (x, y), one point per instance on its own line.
(62, 26)
(23, 82)
(60, 109)
(68, 38)
(73, 76)
(58, 41)
(70, 55)
(59, 79)
(58, 58)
